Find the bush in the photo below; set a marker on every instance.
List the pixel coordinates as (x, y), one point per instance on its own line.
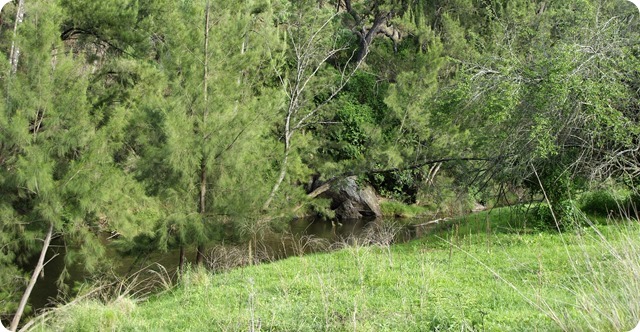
(566, 213)
(632, 205)
(601, 202)
(402, 186)
(541, 217)
(446, 196)
(321, 208)
(401, 210)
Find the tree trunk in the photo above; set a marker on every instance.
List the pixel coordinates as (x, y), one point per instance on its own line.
(32, 282)
(203, 195)
(283, 174)
(15, 51)
(366, 36)
(181, 261)
(203, 164)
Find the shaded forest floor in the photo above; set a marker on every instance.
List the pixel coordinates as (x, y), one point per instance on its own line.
(486, 272)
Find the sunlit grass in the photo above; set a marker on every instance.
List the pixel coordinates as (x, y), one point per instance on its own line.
(394, 209)
(486, 272)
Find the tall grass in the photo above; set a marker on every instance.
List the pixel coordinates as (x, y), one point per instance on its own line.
(106, 300)
(606, 283)
(486, 272)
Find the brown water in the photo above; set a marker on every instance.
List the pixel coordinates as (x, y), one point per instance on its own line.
(301, 236)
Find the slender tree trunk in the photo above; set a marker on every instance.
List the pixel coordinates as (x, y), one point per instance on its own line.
(203, 195)
(288, 134)
(32, 282)
(301, 77)
(203, 164)
(15, 51)
(431, 175)
(283, 174)
(181, 261)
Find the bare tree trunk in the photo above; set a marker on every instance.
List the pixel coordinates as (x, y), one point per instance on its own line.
(287, 147)
(276, 186)
(203, 195)
(306, 70)
(15, 51)
(181, 261)
(203, 165)
(32, 282)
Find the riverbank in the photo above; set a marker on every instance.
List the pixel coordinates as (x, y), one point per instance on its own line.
(488, 271)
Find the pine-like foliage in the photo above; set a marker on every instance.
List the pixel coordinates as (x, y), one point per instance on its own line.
(210, 132)
(56, 153)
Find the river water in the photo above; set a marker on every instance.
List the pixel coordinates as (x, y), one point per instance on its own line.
(301, 236)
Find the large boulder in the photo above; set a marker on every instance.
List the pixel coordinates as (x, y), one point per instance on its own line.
(350, 199)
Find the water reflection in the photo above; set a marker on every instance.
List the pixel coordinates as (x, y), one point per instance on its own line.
(302, 236)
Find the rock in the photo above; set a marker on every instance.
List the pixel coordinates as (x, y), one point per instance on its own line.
(477, 207)
(351, 200)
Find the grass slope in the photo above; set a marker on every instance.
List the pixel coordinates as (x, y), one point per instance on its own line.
(483, 274)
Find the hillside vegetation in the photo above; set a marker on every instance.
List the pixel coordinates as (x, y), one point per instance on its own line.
(485, 272)
(180, 125)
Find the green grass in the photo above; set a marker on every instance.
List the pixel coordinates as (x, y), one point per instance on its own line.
(488, 273)
(394, 209)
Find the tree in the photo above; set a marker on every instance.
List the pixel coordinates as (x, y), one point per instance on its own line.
(556, 98)
(309, 82)
(371, 19)
(211, 119)
(58, 176)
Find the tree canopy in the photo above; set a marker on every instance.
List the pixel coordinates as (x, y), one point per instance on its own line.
(176, 124)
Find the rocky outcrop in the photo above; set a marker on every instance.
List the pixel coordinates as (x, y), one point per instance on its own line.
(350, 199)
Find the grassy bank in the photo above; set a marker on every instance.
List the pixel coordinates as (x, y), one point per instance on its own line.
(487, 272)
(394, 209)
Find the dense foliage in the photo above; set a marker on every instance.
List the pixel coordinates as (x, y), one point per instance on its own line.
(173, 124)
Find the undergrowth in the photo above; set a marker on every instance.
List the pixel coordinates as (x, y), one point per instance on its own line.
(395, 209)
(491, 271)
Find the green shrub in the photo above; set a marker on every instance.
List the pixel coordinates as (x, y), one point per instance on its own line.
(321, 207)
(446, 196)
(401, 210)
(564, 214)
(350, 139)
(541, 216)
(601, 202)
(401, 186)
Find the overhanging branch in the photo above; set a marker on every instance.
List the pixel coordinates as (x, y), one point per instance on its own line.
(425, 163)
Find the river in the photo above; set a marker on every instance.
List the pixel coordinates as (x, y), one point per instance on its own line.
(300, 237)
